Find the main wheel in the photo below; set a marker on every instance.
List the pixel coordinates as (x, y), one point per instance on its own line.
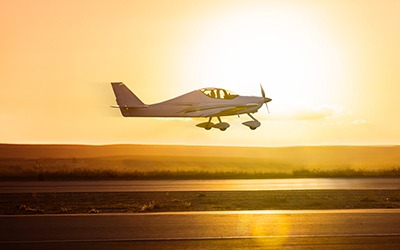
(207, 128)
(253, 128)
(222, 129)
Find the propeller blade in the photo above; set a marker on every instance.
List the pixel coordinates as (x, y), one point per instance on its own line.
(266, 100)
(262, 91)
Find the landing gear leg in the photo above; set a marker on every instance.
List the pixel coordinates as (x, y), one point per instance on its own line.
(252, 117)
(209, 124)
(252, 124)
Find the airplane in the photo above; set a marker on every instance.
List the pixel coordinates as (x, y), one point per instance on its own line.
(205, 102)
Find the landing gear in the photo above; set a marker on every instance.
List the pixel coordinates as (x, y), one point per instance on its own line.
(208, 125)
(221, 125)
(254, 124)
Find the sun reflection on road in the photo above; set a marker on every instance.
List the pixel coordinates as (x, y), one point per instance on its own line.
(254, 224)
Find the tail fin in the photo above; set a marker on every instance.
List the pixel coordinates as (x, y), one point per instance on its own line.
(125, 97)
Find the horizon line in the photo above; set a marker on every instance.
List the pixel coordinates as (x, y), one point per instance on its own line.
(199, 145)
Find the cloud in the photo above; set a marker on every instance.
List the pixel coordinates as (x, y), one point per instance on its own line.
(359, 121)
(306, 112)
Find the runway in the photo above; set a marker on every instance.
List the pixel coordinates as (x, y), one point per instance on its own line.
(306, 229)
(329, 229)
(197, 185)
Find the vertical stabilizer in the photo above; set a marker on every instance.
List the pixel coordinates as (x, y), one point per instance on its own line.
(125, 97)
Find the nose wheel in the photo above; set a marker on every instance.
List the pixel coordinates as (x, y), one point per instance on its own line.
(254, 124)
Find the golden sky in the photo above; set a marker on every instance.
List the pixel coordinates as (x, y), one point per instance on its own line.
(331, 67)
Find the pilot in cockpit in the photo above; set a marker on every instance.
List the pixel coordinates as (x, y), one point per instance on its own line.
(212, 94)
(219, 93)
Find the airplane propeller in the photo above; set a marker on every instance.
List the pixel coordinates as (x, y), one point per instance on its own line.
(266, 99)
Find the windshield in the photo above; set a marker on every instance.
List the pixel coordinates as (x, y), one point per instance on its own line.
(219, 93)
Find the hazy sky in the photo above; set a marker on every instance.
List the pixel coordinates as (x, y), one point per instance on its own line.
(331, 67)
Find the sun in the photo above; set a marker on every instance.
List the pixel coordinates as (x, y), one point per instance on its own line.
(282, 48)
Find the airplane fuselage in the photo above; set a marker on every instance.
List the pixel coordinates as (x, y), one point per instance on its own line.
(196, 104)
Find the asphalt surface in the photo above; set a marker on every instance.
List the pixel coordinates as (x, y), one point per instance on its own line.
(197, 185)
(329, 229)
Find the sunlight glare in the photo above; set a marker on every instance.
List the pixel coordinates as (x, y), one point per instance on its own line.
(281, 48)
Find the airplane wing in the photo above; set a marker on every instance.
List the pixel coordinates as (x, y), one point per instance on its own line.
(222, 111)
(213, 111)
(205, 111)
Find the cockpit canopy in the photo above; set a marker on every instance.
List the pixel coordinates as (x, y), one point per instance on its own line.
(219, 93)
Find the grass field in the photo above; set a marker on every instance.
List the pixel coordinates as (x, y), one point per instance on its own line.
(75, 162)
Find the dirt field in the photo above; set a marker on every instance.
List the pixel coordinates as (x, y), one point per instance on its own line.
(75, 203)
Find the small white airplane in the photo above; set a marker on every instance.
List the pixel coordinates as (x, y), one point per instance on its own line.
(207, 102)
